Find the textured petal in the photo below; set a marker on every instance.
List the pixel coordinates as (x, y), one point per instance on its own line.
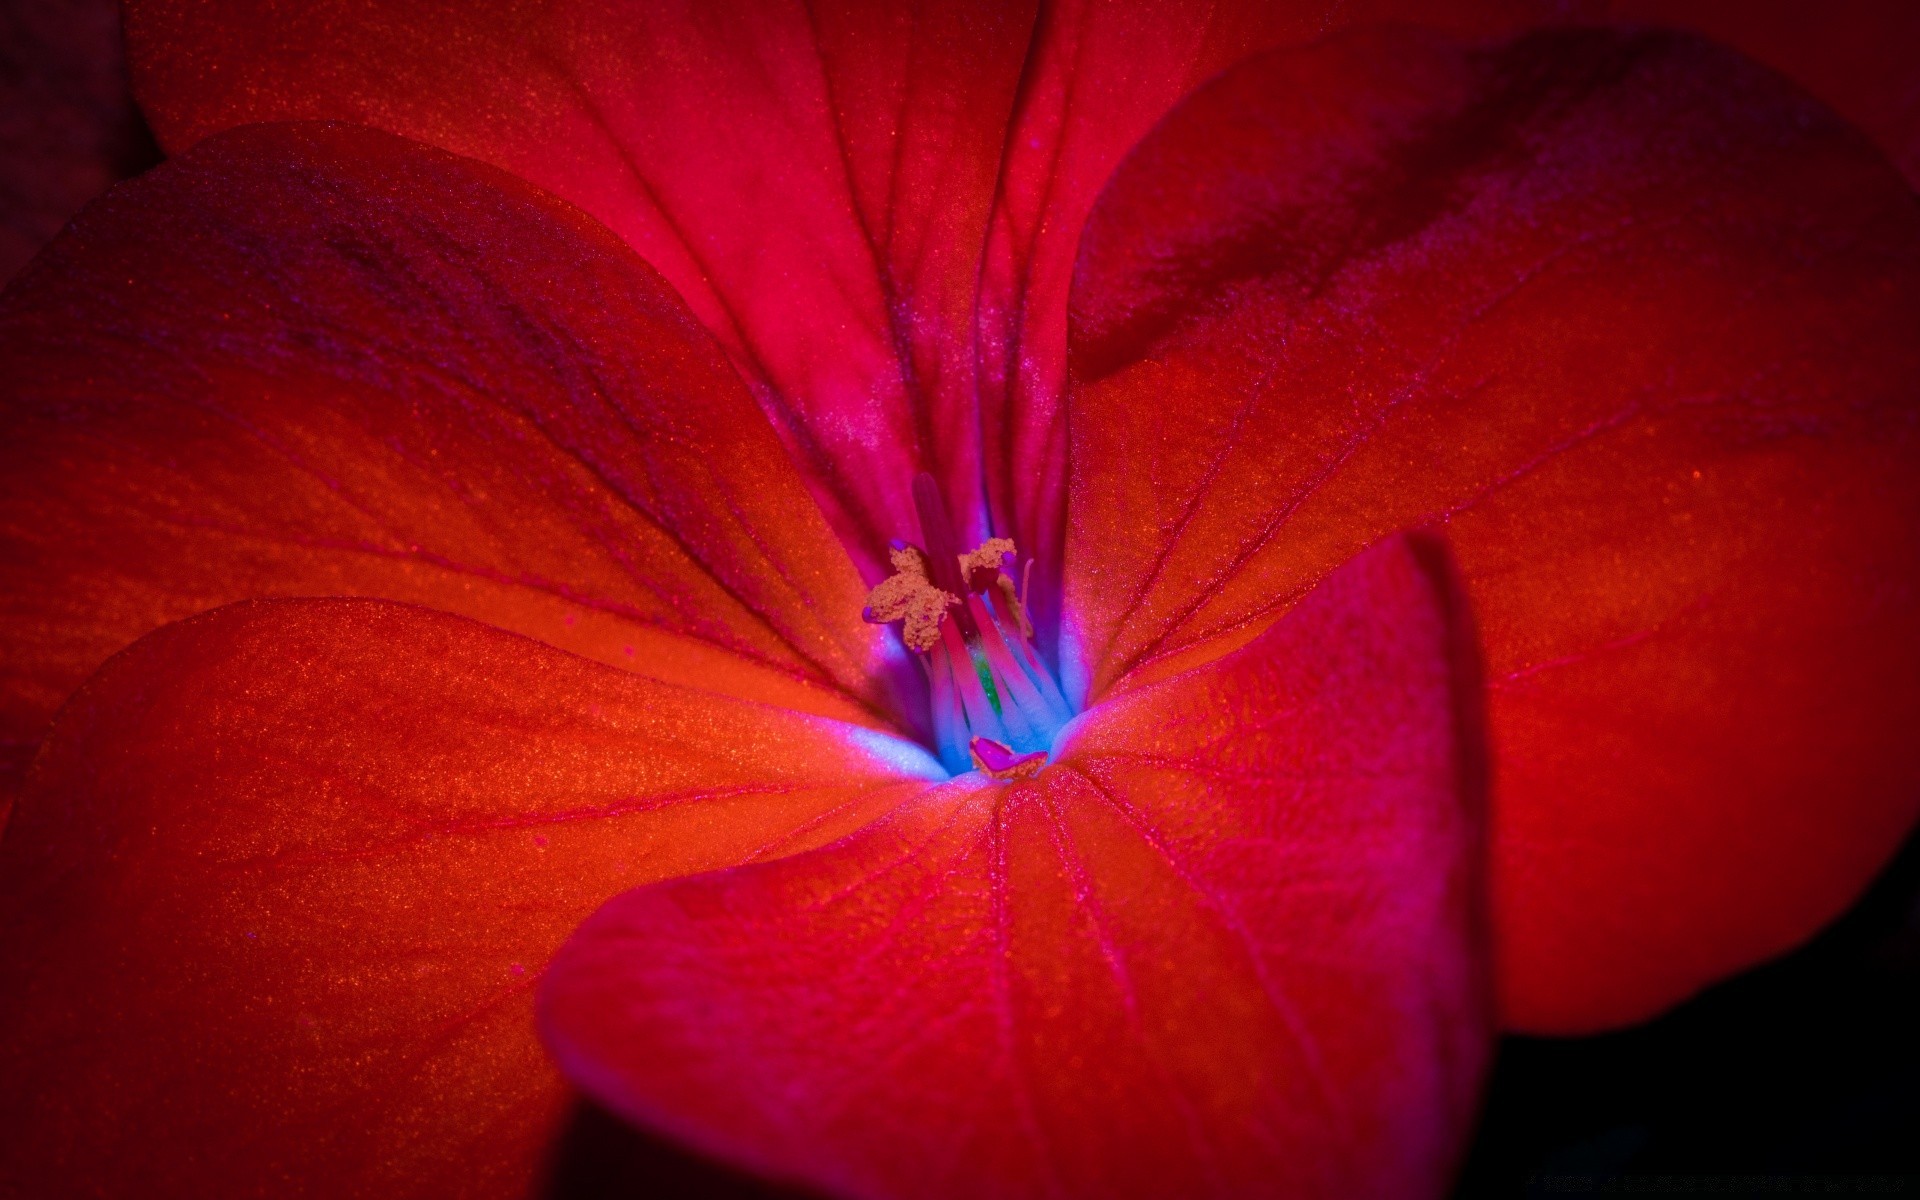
(274, 901)
(68, 127)
(813, 178)
(1635, 322)
(818, 180)
(318, 360)
(1227, 943)
(1098, 77)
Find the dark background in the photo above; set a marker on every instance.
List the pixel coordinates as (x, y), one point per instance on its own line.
(1801, 1077)
(1805, 1070)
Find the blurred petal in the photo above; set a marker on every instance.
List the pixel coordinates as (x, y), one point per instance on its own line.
(1635, 322)
(68, 127)
(274, 901)
(1856, 55)
(1227, 943)
(318, 360)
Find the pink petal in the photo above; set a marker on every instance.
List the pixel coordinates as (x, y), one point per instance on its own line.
(1098, 77)
(309, 360)
(814, 179)
(876, 207)
(1634, 321)
(1226, 943)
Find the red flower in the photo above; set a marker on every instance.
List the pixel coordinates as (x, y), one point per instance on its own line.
(1624, 318)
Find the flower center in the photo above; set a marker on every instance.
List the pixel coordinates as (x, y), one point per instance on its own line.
(996, 707)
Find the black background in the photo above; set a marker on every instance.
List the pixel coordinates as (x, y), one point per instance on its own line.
(1805, 1071)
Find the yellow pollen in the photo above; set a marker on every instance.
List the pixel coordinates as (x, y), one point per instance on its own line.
(910, 597)
(908, 559)
(990, 553)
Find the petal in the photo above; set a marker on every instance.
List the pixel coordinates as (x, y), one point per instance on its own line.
(1856, 55)
(274, 901)
(313, 360)
(1098, 77)
(1224, 944)
(875, 207)
(1634, 322)
(68, 127)
(814, 179)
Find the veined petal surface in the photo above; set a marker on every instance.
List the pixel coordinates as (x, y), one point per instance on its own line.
(1099, 75)
(875, 206)
(1633, 320)
(276, 896)
(320, 360)
(814, 179)
(1227, 943)
(840, 191)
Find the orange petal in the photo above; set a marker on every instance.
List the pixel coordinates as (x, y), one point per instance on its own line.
(1226, 944)
(274, 901)
(1634, 321)
(319, 360)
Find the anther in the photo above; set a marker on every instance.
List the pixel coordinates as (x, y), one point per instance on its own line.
(968, 622)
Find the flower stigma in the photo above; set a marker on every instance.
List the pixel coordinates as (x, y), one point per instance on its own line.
(996, 706)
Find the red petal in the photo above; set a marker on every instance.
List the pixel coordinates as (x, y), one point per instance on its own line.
(1225, 944)
(311, 360)
(818, 182)
(814, 179)
(1636, 323)
(1098, 76)
(275, 899)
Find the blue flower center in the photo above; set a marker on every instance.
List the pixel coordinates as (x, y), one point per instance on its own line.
(996, 706)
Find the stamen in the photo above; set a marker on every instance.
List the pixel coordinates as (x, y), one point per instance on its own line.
(1030, 659)
(1028, 701)
(987, 556)
(981, 714)
(1012, 601)
(963, 614)
(908, 596)
(949, 733)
